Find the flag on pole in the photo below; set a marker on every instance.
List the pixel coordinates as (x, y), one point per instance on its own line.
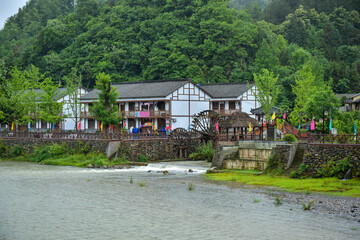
(249, 127)
(12, 126)
(284, 117)
(112, 127)
(79, 126)
(330, 125)
(312, 127)
(307, 126)
(299, 125)
(29, 126)
(217, 126)
(273, 116)
(189, 127)
(101, 127)
(53, 126)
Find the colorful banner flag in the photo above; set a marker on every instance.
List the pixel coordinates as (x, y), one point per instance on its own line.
(330, 125)
(273, 116)
(53, 126)
(312, 126)
(101, 127)
(284, 117)
(299, 125)
(12, 126)
(307, 126)
(217, 126)
(249, 127)
(29, 126)
(79, 126)
(355, 128)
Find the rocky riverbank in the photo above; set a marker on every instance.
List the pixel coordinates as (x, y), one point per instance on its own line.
(344, 207)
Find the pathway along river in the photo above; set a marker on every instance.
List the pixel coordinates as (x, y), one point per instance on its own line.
(54, 202)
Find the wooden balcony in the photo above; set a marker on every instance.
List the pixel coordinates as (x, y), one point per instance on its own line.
(226, 112)
(146, 114)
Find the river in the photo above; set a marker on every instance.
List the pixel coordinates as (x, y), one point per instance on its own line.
(55, 202)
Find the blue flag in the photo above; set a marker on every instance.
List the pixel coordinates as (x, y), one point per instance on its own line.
(53, 125)
(299, 125)
(29, 126)
(354, 127)
(330, 126)
(307, 126)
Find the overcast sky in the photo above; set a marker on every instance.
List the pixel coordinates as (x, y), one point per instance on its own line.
(9, 8)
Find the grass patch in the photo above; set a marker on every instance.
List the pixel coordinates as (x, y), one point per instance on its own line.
(329, 186)
(191, 186)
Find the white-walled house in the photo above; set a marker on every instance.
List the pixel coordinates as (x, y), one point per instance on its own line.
(165, 104)
(228, 98)
(68, 122)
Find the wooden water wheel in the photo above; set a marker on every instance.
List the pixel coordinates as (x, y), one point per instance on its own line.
(181, 140)
(204, 123)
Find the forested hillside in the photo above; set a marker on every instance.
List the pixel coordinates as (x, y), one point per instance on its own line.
(206, 40)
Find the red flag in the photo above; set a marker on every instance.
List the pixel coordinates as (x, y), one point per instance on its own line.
(284, 117)
(217, 126)
(79, 126)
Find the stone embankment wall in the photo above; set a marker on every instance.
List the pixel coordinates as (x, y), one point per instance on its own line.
(316, 155)
(154, 150)
(29, 144)
(249, 154)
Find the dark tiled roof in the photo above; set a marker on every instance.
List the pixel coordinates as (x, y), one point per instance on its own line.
(146, 89)
(347, 95)
(240, 119)
(61, 93)
(225, 90)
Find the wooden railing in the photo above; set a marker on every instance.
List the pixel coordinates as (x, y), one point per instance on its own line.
(226, 111)
(85, 135)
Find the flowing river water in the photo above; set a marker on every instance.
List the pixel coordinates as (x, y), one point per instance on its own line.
(54, 202)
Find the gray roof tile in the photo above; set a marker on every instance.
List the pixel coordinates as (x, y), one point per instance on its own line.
(225, 90)
(145, 89)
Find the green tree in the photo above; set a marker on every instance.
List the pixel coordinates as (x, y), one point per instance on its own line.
(304, 88)
(106, 110)
(267, 91)
(50, 108)
(73, 107)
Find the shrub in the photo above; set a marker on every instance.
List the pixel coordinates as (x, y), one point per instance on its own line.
(274, 166)
(289, 138)
(204, 152)
(335, 169)
(298, 173)
(48, 151)
(142, 158)
(120, 160)
(15, 151)
(3, 150)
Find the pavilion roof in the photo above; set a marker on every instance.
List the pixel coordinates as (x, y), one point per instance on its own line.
(240, 119)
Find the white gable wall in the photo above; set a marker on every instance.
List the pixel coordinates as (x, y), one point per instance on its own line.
(249, 102)
(187, 101)
(68, 123)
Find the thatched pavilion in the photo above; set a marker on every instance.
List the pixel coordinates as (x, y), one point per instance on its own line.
(236, 127)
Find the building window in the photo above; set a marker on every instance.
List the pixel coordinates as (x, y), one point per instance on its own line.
(131, 106)
(131, 123)
(232, 105)
(91, 123)
(43, 124)
(215, 106)
(161, 106)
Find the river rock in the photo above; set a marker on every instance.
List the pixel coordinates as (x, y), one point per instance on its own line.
(90, 166)
(190, 170)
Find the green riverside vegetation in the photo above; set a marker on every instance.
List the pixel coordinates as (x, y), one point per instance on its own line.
(329, 186)
(62, 155)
